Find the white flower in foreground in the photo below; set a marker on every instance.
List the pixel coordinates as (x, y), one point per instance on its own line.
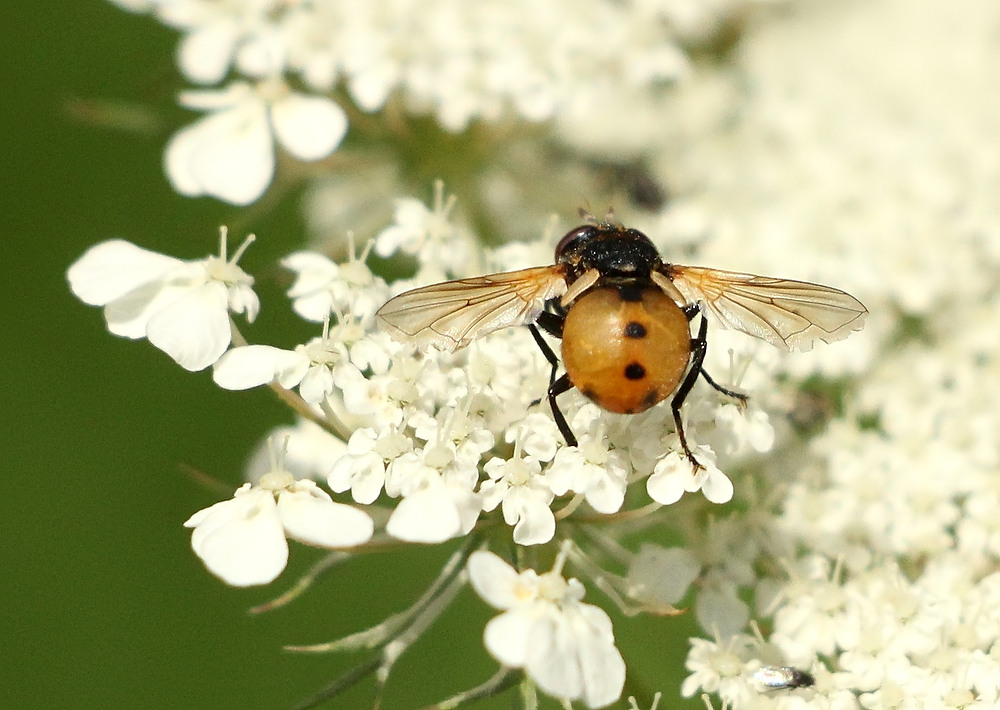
(437, 488)
(674, 475)
(594, 469)
(182, 307)
(242, 541)
(565, 646)
(309, 367)
(518, 486)
(229, 154)
(362, 468)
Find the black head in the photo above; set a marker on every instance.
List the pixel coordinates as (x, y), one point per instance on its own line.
(616, 252)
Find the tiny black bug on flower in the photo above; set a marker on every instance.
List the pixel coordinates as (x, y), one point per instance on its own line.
(783, 678)
(624, 317)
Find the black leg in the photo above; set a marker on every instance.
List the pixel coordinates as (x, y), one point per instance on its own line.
(690, 311)
(555, 389)
(741, 398)
(546, 351)
(553, 324)
(698, 348)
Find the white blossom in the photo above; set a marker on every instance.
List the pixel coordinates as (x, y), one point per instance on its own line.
(438, 497)
(181, 307)
(362, 468)
(229, 154)
(323, 287)
(592, 468)
(310, 451)
(565, 646)
(518, 486)
(429, 233)
(674, 475)
(309, 367)
(242, 540)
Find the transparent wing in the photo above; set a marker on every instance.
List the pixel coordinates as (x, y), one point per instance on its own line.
(788, 314)
(451, 314)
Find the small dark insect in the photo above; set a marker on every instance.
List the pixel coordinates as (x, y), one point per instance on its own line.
(783, 678)
(624, 316)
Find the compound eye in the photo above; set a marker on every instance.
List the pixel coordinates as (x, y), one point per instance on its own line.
(573, 239)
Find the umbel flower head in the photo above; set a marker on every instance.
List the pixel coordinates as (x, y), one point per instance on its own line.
(858, 547)
(439, 445)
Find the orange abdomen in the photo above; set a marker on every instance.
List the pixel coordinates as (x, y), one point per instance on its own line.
(626, 349)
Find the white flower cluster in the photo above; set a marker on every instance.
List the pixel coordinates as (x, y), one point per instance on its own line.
(458, 62)
(873, 638)
(857, 148)
(873, 559)
(428, 442)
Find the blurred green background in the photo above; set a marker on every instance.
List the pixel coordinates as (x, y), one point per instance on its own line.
(104, 605)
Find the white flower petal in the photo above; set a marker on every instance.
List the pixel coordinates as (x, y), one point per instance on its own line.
(229, 155)
(551, 657)
(241, 541)
(606, 493)
(535, 522)
(717, 486)
(129, 315)
(194, 329)
(467, 503)
(317, 520)
(493, 493)
(308, 127)
(316, 384)
(251, 366)
(205, 53)
(371, 87)
(601, 663)
(666, 487)
(366, 485)
(243, 299)
(494, 580)
(428, 515)
(506, 638)
(112, 269)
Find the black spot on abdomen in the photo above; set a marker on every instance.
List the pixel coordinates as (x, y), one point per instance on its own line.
(635, 330)
(634, 371)
(651, 398)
